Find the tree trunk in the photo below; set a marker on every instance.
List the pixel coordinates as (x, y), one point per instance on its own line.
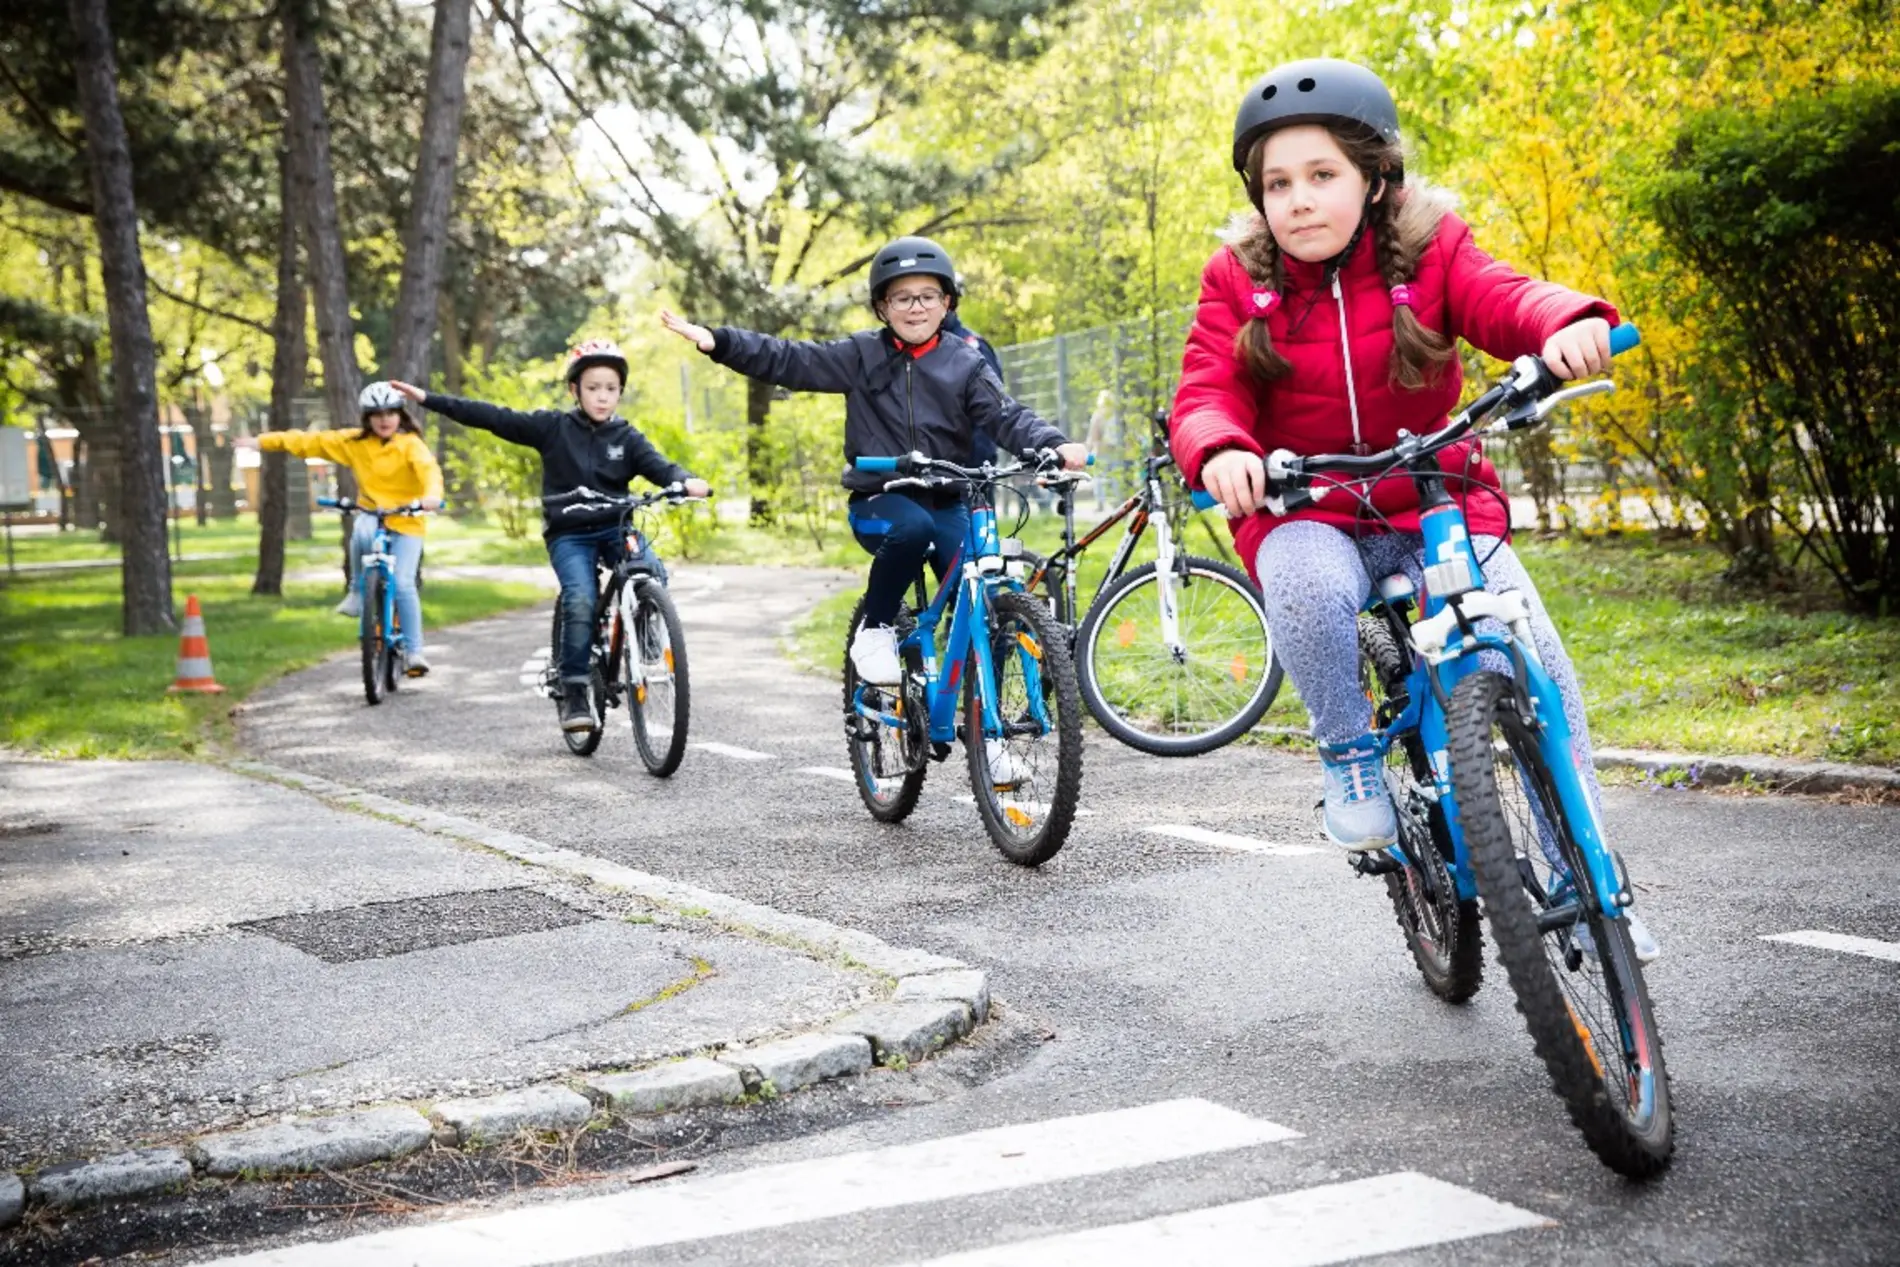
(323, 233)
(286, 381)
(758, 451)
(426, 237)
(145, 571)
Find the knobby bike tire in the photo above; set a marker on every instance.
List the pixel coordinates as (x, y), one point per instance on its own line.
(372, 637)
(1491, 742)
(1117, 598)
(1440, 929)
(1018, 835)
(582, 743)
(660, 752)
(887, 766)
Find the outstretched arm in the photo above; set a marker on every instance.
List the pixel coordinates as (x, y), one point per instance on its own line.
(332, 446)
(798, 364)
(513, 425)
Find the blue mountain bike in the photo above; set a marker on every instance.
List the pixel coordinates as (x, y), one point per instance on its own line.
(1489, 798)
(381, 633)
(1002, 681)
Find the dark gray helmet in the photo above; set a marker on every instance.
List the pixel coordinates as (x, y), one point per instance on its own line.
(1319, 90)
(908, 257)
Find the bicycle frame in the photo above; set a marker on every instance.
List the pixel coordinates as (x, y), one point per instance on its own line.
(1148, 507)
(973, 574)
(380, 557)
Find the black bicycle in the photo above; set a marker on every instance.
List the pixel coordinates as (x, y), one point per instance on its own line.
(1174, 658)
(638, 654)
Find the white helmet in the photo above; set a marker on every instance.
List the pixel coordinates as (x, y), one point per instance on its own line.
(378, 397)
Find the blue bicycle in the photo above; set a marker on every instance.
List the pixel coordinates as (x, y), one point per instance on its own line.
(382, 635)
(1490, 802)
(1008, 691)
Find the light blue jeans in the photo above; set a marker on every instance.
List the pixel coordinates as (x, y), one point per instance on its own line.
(405, 558)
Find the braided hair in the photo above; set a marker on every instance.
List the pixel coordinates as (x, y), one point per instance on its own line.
(1402, 225)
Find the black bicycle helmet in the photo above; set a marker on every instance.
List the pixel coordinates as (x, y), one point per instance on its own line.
(1318, 90)
(908, 257)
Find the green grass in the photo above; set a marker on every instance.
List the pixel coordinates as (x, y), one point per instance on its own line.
(1671, 656)
(72, 686)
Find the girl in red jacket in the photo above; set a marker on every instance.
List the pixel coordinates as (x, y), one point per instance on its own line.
(1326, 325)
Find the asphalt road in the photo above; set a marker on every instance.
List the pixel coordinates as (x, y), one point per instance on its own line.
(1272, 986)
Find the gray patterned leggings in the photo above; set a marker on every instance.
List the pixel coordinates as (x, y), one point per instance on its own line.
(1315, 579)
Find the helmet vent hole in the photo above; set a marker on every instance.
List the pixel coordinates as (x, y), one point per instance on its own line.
(1307, 85)
(1266, 94)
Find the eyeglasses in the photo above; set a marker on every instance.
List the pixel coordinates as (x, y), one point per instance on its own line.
(916, 299)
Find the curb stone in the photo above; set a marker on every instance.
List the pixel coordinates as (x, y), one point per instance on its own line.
(791, 1063)
(683, 1084)
(133, 1174)
(490, 1119)
(345, 1139)
(931, 989)
(1771, 772)
(907, 1031)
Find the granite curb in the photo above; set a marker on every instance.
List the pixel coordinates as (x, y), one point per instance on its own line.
(935, 1000)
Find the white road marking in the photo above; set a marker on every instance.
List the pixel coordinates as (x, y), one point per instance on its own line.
(1331, 1224)
(828, 772)
(1227, 840)
(728, 750)
(1888, 950)
(799, 1192)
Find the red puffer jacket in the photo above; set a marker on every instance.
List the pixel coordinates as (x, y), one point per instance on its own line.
(1459, 291)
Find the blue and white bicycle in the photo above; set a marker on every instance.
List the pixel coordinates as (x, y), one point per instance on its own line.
(1489, 798)
(381, 632)
(1002, 681)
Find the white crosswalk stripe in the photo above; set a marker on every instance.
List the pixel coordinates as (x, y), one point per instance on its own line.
(1867, 946)
(732, 750)
(1332, 1224)
(986, 1161)
(1227, 840)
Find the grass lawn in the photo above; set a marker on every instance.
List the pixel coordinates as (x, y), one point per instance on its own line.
(1671, 656)
(72, 686)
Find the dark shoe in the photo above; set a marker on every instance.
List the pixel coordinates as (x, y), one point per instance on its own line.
(577, 711)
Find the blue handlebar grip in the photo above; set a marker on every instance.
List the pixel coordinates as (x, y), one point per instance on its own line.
(1204, 500)
(327, 502)
(1091, 461)
(877, 464)
(1623, 338)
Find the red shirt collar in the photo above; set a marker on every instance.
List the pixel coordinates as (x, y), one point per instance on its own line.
(916, 350)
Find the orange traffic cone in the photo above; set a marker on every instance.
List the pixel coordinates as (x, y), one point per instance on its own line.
(194, 654)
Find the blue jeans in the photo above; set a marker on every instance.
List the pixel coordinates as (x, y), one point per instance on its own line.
(405, 558)
(574, 556)
(899, 532)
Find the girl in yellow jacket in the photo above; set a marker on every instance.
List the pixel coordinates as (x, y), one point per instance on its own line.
(393, 467)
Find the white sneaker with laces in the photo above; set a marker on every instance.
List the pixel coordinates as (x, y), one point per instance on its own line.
(1642, 941)
(1359, 814)
(352, 604)
(874, 655)
(1005, 770)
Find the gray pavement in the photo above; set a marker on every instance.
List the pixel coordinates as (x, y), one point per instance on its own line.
(183, 948)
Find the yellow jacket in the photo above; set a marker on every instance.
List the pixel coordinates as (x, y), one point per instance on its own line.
(392, 472)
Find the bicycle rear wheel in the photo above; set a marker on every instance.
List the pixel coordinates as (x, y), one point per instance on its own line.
(1027, 779)
(375, 644)
(1440, 929)
(1577, 979)
(1178, 704)
(653, 677)
(582, 743)
(888, 758)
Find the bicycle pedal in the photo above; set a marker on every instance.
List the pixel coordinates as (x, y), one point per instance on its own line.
(1375, 863)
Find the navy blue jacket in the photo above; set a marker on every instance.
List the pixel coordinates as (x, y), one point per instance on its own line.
(575, 452)
(929, 400)
(983, 445)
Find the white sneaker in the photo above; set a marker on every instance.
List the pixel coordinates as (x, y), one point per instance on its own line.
(352, 604)
(1642, 941)
(1359, 814)
(874, 655)
(1005, 770)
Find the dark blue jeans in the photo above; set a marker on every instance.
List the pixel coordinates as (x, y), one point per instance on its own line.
(574, 556)
(899, 532)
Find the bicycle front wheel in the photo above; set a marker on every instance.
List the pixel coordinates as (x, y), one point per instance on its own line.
(1186, 699)
(1027, 775)
(653, 677)
(1575, 972)
(374, 639)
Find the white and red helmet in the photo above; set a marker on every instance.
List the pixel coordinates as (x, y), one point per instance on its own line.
(591, 352)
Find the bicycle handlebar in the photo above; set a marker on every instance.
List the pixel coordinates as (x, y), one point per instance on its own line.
(345, 505)
(585, 498)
